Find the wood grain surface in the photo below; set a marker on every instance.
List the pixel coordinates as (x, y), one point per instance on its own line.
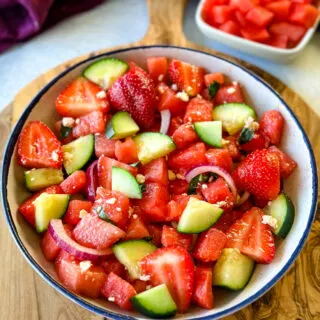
(24, 295)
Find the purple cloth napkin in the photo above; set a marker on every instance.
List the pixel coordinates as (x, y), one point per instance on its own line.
(21, 19)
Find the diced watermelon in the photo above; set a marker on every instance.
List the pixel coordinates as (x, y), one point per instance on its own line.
(304, 14)
(72, 216)
(259, 16)
(293, 32)
(257, 142)
(139, 285)
(126, 151)
(57, 127)
(157, 68)
(232, 146)
(280, 9)
(119, 291)
(198, 109)
(202, 291)
(171, 237)
(155, 231)
(255, 34)
(209, 245)
(178, 186)
(96, 233)
(278, 41)
(229, 93)
(207, 7)
(213, 77)
(271, 126)
(227, 219)
(240, 18)
(113, 265)
(221, 14)
(156, 171)
(175, 123)
(220, 158)
(230, 27)
(243, 5)
(136, 229)
(74, 183)
(104, 146)
(184, 136)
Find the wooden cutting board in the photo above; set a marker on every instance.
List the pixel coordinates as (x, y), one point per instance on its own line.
(26, 296)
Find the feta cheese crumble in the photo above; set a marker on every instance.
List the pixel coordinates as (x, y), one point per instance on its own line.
(161, 76)
(182, 96)
(68, 122)
(85, 265)
(144, 278)
(111, 201)
(269, 220)
(101, 94)
(111, 299)
(251, 124)
(140, 178)
(54, 156)
(83, 213)
(174, 87)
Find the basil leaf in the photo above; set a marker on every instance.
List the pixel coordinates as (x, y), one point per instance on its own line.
(142, 187)
(213, 89)
(246, 136)
(65, 131)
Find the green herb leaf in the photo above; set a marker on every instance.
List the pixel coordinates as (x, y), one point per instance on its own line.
(213, 89)
(65, 131)
(203, 177)
(246, 135)
(135, 164)
(142, 187)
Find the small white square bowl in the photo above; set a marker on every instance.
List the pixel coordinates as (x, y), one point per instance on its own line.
(251, 47)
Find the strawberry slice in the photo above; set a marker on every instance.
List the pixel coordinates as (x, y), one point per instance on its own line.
(187, 77)
(252, 237)
(38, 147)
(259, 174)
(135, 93)
(174, 267)
(80, 98)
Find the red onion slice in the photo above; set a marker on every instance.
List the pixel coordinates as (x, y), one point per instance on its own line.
(165, 121)
(66, 243)
(92, 181)
(244, 197)
(215, 169)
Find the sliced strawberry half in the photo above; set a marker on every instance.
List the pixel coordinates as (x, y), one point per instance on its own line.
(174, 267)
(135, 93)
(252, 237)
(38, 147)
(80, 98)
(259, 174)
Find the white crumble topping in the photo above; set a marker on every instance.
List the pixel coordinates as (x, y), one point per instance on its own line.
(83, 213)
(85, 265)
(140, 178)
(68, 122)
(111, 201)
(144, 278)
(118, 209)
(220, 204)
(54, 156)
(231, 90)
(199, 96)
(182, 96)
(98, 209)
(97, 134)
(32, 179)
(225, 142)
(235, 83)
(101, 94)
(271, 221)
(134, 216)
(161, 90)
(204, 186)
(111, 299)
(251, 124)
(161, 76)
(77, 121)
(174, 87)
(171, 175)
(180, 176)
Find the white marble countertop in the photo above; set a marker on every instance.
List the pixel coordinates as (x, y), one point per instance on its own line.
(113, 24)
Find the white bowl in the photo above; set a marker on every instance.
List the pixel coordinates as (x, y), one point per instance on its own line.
(301, 186)
(252, 47)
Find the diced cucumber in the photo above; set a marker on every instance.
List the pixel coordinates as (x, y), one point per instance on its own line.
(233, 116)
(38, 179)
(125, 182)
(77, 153)
(155, 303)
(105, 72)
(246, 135)
(233, 270)
(121, 126)
(282, 209)
(209, 132)
(49, 206)
(198, 216)
(131, 252)
(153, 145)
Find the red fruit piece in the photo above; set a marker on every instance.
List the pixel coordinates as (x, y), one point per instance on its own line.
(119, 290)
(74, 183)
(80, 98)
(259, 174)
(230, 27)
(218, 192)
(293, 32)
(136, 229)
(287, 165)
(202, 292)
(135, 93)
(232, 146)
(113, 265)
(280, 9)
(260, 16)
(171, 237)
(184, 136)
(80, 277)
(213, 77)
(174, 267)
(114, 204)
(72, 216)
(175, 123)
(198, 109)
(187, 77)
(157, 68)
(278, 40)
(259, 202)
(252, 237)
(209, 245)
(221, 14)
(96, 233)
(257, 142)
(28, 210)
(271, 126)
(156, 171)
(188, 158)
(243, 5)
(38, 147)
(220, 158)
(104, 146)
(126, 151)
(227, 219)
(304, 15)
(178, 186)
(57, 127)
(255, 34)
(155, 231)
(207, 6)
(229, 93)
(93, 122)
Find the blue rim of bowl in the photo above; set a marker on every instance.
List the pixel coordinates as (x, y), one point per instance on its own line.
(101, 311)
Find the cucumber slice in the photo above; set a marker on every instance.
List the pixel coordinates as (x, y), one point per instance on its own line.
(121, 126)
(233, 270)
(131, 252)
(246, 136)
(209, 132)
(282, 209)
(38, 179)
(233, 116)
(198, 216)
(155, 303)
(49, 206)
(125, 182)
(77, 153)
(153, 145)
(105, 72)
